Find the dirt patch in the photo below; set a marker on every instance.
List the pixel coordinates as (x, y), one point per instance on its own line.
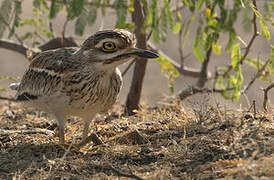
(165, 142)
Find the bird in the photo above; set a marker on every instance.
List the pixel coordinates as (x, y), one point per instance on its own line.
(80, 81)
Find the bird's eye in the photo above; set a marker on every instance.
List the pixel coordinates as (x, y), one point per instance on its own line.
(109, 46)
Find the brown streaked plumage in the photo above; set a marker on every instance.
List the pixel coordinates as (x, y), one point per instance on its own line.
(79, 82)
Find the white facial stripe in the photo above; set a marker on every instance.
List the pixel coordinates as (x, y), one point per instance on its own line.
(49, 72)
(100, 44)
(109, 55)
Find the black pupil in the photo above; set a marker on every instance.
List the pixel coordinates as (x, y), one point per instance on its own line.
(109, 44)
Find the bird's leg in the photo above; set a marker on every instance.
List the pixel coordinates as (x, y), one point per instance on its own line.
(86, 129)
(61, 128)
(86, 139)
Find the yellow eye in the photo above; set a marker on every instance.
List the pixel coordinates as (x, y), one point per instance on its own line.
(109, 46)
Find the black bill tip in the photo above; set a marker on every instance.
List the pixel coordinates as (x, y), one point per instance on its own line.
(145, 53)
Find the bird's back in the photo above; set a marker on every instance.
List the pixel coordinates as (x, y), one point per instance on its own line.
(57, 81)
(42, 80)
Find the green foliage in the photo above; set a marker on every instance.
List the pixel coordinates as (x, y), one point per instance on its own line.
(246, 21)
(169, 68)
(271, 63)
(187, 29)
(17, 11)
(75, 8)
(216, 48)
(258, 64)
(39, 23)
(198, 45)
(264, 30)
(81, 23)
(235, 56)
(6, 78)
(232, 83)
(121, 11)
(55, 7)
(5, 12)
(212, 19)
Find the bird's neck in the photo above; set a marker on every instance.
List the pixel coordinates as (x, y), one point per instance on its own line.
(106, 69)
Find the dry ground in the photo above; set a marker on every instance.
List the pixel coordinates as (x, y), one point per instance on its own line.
(165, 142)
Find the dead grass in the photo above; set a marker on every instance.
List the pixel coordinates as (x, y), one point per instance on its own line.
(165, 142)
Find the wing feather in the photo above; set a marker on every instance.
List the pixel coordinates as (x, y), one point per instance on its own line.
(44, 75)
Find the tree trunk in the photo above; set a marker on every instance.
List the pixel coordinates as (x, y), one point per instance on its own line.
(134, 95)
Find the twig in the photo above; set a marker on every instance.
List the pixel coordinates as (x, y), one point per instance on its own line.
(27, 131)
(203, 74)
(134, 95)
(255, 34)
(182, 59)
(191, 90)
(201, 81)
(266, 95)
(13, 46)
(7, 99)
(51, 27)
(258, 74)
(254, 108)
(149, 35)
(187, 71)
(175, 10)
(40, 37)
(16, 35)
(64, 29)
(128, 67)
(51, 44)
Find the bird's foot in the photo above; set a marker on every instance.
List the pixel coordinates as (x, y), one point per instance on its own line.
(92, 137)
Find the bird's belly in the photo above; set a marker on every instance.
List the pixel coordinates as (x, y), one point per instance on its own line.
(91, 104)
(53, 104)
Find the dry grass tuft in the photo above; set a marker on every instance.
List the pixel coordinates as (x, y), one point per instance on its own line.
(165, 142)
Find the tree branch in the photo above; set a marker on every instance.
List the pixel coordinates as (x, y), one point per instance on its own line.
(7, 24)
(7, 99)
(187, 71)
(255, 34)
(128, 67)
(198, 88)
(266, 95)
(51, 44)
(58, 42)
(258, 74)
(203, 74)
(13, 47)
(134, 95)
(191, 90)
(180, 42)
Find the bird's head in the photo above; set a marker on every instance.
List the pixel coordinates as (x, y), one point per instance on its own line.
(113, 47)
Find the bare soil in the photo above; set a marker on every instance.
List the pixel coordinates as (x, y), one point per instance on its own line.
(164, 142)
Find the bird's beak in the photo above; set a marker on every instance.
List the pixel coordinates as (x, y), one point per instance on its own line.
(143, 53)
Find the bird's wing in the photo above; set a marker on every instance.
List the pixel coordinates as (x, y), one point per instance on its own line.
(44, 75)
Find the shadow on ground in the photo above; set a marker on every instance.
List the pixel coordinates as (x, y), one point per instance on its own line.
(163, 142)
